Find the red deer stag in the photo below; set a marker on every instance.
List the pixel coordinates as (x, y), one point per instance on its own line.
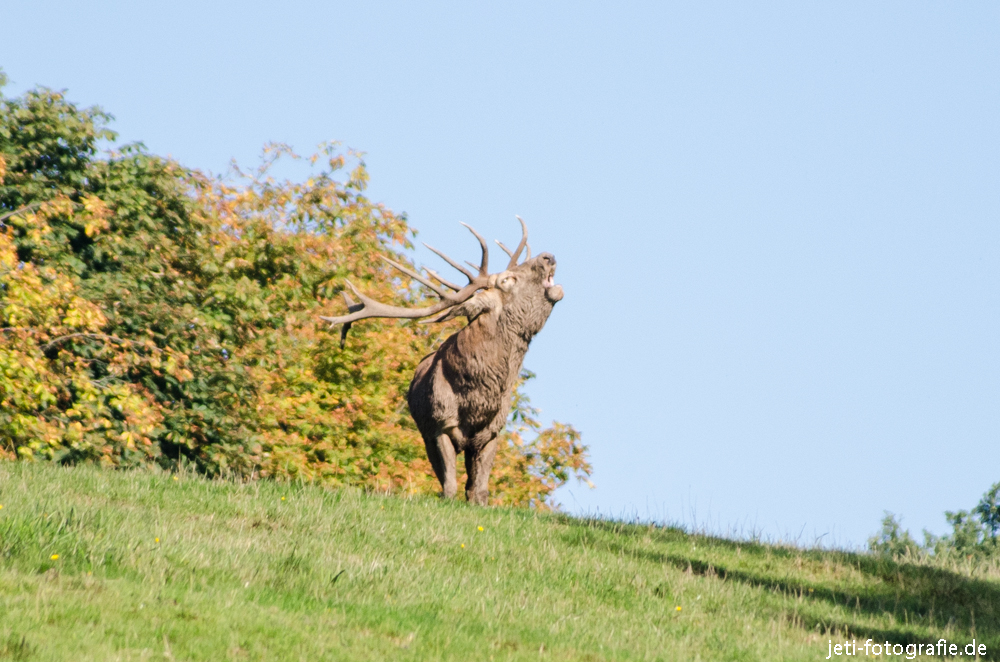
(461, 394)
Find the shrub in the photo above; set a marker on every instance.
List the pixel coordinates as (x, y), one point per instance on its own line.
(973, 534)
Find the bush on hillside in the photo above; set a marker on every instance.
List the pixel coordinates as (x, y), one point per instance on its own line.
(973, 535)
(893, 540)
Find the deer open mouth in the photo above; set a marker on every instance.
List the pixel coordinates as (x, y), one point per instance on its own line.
(553, 292)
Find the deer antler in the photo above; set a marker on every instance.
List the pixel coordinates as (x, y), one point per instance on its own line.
(514, 255)
(368, 307)
(520, 246)
(371, 308)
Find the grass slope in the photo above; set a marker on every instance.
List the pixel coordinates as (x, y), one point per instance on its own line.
(153, 566)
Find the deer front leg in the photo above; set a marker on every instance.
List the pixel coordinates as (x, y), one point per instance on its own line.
(441, 453)
(478, 464)
(449, 443)
(449, 483)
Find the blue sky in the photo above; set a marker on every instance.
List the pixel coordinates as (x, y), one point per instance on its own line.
(777, 225)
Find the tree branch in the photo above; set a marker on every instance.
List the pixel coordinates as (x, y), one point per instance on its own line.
(95, 336)
(23, 209)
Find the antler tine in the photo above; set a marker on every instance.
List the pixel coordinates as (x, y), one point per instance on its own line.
(444, 282)
(506, 250)
(527, 251)
(417, 277)
(352, 306)
(520, 246)
(452, 262)
(485, 262)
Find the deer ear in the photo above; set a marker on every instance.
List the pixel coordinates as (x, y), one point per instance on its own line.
(506, 284)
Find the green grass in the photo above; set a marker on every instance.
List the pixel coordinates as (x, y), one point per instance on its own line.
(272, 571)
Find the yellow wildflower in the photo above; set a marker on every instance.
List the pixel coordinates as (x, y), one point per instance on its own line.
(463, 545)
(54, 557)
(175, 478)
(678, 607)
(480, 528)
(156, 540)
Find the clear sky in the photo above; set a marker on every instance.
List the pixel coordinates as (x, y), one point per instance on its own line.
(777, 224)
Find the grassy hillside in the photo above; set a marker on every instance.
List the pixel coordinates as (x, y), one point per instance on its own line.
(101, 565)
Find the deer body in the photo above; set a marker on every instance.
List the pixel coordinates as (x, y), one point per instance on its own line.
(461, 394)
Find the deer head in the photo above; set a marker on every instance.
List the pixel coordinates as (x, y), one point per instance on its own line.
(517, 293)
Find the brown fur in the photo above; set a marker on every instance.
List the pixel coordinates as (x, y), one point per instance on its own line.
(460, 395)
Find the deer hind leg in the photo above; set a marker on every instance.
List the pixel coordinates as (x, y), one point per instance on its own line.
(478, 464)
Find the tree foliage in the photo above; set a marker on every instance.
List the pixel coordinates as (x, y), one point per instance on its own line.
(151, 314)
(973, 533)
(893, 540)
